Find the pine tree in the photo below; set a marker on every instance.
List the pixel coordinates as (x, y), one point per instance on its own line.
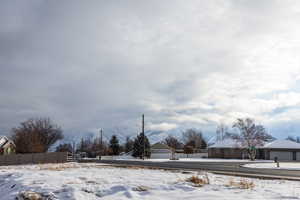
(114, 145)
(138, 147)
(128, 145)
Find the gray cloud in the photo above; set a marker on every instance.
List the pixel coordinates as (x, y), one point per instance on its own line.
(104, 63)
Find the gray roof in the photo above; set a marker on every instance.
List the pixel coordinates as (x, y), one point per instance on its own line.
(276, 144)
(282, 144)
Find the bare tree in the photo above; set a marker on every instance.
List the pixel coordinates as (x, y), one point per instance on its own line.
(93, 147)
(36, 135)
(172, 142)
(250, 135)
(188, 150)
(194, 138)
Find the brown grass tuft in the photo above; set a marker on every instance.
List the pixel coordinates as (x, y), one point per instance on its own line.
(197, 181)
(242, 184)
(57, 167)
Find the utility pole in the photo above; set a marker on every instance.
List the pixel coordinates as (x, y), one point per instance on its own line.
(73, 149)
(101, 143)
(143, 131)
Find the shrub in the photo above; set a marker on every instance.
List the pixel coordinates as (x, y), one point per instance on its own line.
(198, 181)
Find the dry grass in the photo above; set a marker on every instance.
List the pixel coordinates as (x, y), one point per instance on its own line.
(198, 181)
(57, 167)
(242, 184)
(64, 166)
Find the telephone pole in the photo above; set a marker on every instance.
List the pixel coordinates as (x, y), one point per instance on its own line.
(101, 143)
(143, 131)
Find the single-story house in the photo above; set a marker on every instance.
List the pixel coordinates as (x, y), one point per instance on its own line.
(7, 146)
(284, 150)
(227, 148)
(159, 150)
(163, 151)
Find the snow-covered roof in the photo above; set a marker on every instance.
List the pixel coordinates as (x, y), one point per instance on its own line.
(4, 141)
(212, 141)
(226, 143)
(282, 144)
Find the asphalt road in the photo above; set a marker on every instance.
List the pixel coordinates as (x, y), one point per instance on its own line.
(233, 168)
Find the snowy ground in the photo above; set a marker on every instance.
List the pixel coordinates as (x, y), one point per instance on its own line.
(282, 165)
(199, 160)
(95, 181)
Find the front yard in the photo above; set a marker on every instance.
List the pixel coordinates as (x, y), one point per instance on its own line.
(96, 181)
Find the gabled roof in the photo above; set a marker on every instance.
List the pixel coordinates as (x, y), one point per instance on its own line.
(276, 144)
(282, 144)
(160, 146)
(226, 143)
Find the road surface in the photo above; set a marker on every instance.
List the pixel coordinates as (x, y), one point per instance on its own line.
(231, 168)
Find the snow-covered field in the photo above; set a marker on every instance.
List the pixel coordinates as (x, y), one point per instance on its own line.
(272, 165)
(95, 181)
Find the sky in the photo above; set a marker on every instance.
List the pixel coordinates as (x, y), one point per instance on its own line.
(184, 64)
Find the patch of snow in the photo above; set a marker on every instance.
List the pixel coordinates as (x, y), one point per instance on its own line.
(273, 165)
(96, 181)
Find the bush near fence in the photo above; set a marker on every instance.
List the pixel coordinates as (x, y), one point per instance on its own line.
(35, 158)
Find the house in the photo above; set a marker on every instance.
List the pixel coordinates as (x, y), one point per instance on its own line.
(7, 146)
(284, 150)
(159, 150)
(163, 151)
(227, 148)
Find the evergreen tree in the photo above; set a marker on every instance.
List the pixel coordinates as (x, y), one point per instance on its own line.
(114, 145)
(128, 145)
(66, 147)
(138, 146)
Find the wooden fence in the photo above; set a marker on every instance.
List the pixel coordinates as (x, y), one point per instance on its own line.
(35, 158)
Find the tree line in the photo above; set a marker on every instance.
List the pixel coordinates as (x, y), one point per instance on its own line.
(40, 134)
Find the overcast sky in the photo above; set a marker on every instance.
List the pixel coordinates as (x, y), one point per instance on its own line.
(101, 64)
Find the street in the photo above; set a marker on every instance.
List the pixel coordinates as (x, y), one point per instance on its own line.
(231, 168)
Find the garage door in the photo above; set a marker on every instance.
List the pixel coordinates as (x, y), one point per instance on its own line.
(281, 155)
(298, 156)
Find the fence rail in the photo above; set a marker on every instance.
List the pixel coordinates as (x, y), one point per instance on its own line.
(35, 158)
